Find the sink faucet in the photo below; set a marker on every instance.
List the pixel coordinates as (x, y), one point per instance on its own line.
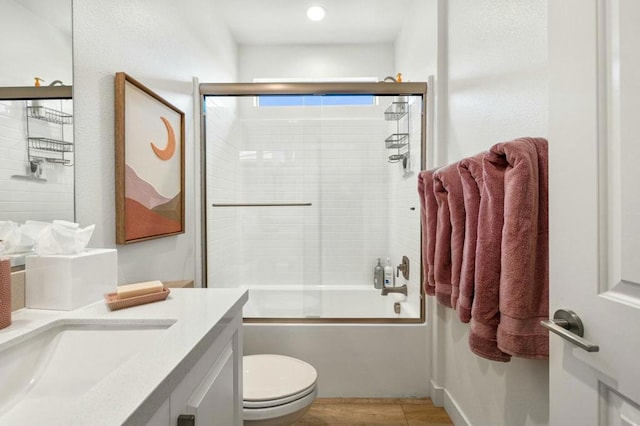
(402, 289)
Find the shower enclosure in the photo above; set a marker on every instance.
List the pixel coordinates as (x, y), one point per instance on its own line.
(305, 187)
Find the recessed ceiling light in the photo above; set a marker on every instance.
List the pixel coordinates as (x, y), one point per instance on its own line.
(316, 13)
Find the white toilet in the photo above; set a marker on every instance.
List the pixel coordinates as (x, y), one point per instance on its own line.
(277, 389)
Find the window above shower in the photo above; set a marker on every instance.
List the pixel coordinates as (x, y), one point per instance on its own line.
(301, 201)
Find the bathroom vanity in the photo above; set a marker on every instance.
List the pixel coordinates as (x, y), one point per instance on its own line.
(147, 364)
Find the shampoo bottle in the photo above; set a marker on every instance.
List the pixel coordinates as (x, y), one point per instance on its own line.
(378, 275)
(388, 274)
(37, 104)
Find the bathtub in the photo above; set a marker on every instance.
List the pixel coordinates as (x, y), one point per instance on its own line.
(353, 359)
(329, 302)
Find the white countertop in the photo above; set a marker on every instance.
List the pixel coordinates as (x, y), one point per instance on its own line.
(133, 391)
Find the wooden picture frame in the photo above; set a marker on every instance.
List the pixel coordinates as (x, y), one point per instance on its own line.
(149, 158)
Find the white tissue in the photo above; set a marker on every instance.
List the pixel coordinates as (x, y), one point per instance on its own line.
(59, 237)
(10, 237)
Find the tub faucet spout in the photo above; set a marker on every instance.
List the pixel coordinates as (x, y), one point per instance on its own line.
(402, 289)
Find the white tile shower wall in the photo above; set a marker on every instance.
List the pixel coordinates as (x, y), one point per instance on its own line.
(222, 165)
(23, 199)
(271, 171)
(353, 193)
(404, 220)
(339, 165)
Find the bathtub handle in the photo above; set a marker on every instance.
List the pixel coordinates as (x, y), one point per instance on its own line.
(404, 268)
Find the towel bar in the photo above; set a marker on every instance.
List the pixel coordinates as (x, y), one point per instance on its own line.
(262, 205)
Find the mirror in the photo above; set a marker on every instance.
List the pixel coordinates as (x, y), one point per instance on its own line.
(36, 135)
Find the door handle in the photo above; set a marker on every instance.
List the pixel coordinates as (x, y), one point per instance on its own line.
(567, 324)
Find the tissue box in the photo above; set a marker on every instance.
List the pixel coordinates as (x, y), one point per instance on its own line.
(67, 282)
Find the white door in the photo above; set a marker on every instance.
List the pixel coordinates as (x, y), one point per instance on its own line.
(594, 156)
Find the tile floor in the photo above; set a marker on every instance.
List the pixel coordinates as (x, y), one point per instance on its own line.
(374, 412)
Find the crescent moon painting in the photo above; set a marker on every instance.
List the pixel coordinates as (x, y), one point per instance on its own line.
(170, 149)
(149, 172)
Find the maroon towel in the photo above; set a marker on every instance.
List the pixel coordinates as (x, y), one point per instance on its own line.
(470, 170)
(428, 218)
(484, 311)
(524, 276)
(447, 188)
(442, 257)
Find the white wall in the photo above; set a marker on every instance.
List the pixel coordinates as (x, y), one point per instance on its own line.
(492, 87)
(163, 44)
(315, 61)
(35, 43)
(497, 73)
(416, 58)
(415, 48)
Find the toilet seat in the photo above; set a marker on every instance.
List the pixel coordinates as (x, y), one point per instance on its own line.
(272, 380)
(275, 402)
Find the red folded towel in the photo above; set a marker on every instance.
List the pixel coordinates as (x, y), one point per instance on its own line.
(470, 170)
(484, 311)
(450, 233)
(524, 276)
(428, 218)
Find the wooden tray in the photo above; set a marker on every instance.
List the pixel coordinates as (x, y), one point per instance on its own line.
(114, 303)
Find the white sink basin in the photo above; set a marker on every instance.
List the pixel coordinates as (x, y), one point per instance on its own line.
(63, 360)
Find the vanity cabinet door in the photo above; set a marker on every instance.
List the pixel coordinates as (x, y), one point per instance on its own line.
(212, 390)
(212, 401)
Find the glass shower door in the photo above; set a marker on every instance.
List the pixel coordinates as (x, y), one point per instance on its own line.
(305, 192)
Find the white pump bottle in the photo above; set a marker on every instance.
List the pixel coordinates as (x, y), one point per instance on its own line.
(388, 274)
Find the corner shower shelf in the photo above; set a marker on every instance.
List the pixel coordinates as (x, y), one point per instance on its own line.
(397, 140)
(396, 111)
(49, 115)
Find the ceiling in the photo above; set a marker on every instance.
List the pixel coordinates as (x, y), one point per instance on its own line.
(272, 22)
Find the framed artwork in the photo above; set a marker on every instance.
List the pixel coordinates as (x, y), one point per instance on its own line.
(149, 134)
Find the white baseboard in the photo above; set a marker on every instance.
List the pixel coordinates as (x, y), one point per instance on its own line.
(442, 398)
(437, 394)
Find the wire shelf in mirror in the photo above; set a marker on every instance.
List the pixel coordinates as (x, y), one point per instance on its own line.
(53, 160)
(50, 115)
(53, 145)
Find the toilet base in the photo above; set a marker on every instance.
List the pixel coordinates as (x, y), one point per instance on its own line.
(272, 417)
(280, 421)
